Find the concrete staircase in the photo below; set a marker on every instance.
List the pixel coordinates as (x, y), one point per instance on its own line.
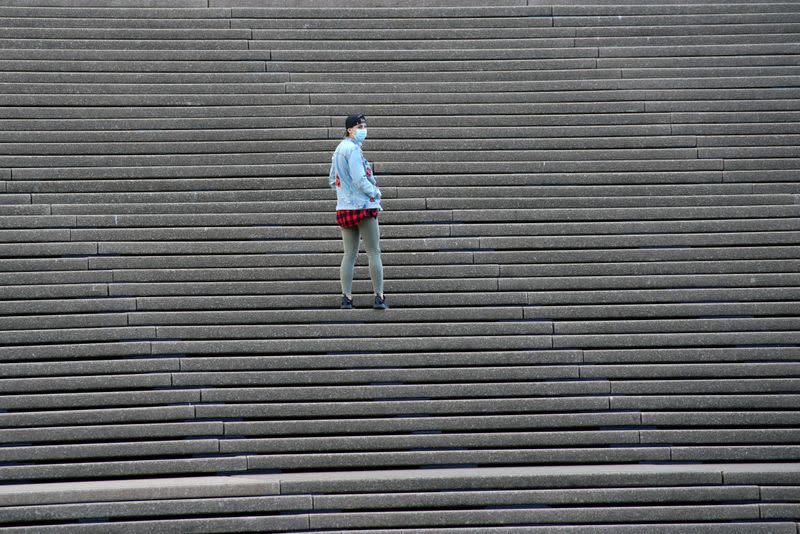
(590, 245)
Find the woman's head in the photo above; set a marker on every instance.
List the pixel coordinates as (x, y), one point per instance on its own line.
(353, 123)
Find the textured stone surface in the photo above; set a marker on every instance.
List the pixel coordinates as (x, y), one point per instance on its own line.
(262, 389)
(111, 432)
(432, 424)
(446, 441)
(751, 417)
(526, 497)
(522, 456)
(88, 350)
(511, 517)
(590, 248)
(574, 476)
(660, 528)
(93, 400)
(210, 525)
(90, 367)
(510, 342)
(36, 385)
(443, 375)
(109, 450)
(97, 416)
(111, 469)
(131, 490)
(404, 408)
(381, 360)
(161, 507)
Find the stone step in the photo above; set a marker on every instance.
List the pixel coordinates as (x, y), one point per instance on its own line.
(362, 460)
(90, 367)
(772, 386)
(123, 23)
(481, 39)
(137, 57)
(79, 334)
(390, 231)
(675, 19)
(179, 507)
(67, 65)
(641, 146)
(427, 424)
(676, 325)
(101, 367)
(386, 149)
(655, 310)
(513, 274)
(90, 402)
(232, 274)
(607, 42)
(99, 3)
(557, 185)
(540, 298)
(84, 383)
(542, 85)
(109, 450)
(697, 490)
(695, 354)
(97, 416)
(291, 346)
(408, 500)
(115, 12)
(671, 339)
(73, 305)
(585, 62)
(528, 75)
(610, 296)
(158, 77)
(112, 432)
(261, 523)
(128, 36)
(446, 137)
(606, 184)
(750, 418)
(703, 402)
(128, 468)
(452, 258)
(321, 169)
(448, 161)
(421, 286)
(495, 24)
(111, 44)
(315, 445)
(465, 208)
(63, 321)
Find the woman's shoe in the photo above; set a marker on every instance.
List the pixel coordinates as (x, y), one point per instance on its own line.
(380, 303)
(347, 304)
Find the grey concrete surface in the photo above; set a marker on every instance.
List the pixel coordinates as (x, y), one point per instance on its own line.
(590, 248)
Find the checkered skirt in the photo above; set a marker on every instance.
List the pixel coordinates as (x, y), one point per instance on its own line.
(350, 218)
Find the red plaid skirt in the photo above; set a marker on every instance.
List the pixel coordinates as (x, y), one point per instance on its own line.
(350, 218)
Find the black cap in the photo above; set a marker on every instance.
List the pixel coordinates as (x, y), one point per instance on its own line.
(353, 120)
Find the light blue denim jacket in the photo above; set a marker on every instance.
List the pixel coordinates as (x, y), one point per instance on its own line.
(351, 177)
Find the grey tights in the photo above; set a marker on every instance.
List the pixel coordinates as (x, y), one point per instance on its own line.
(368, 228)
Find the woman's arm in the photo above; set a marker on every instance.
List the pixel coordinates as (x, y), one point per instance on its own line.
(332, 174)
(359, 175)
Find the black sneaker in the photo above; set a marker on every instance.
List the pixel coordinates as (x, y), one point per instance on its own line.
(380, 303)
(347, 304)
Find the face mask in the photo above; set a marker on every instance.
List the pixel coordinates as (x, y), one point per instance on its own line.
(361, 135)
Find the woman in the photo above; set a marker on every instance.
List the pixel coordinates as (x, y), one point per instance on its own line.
(358, 201)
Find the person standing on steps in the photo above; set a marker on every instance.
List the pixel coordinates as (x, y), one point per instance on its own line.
(358, 201)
